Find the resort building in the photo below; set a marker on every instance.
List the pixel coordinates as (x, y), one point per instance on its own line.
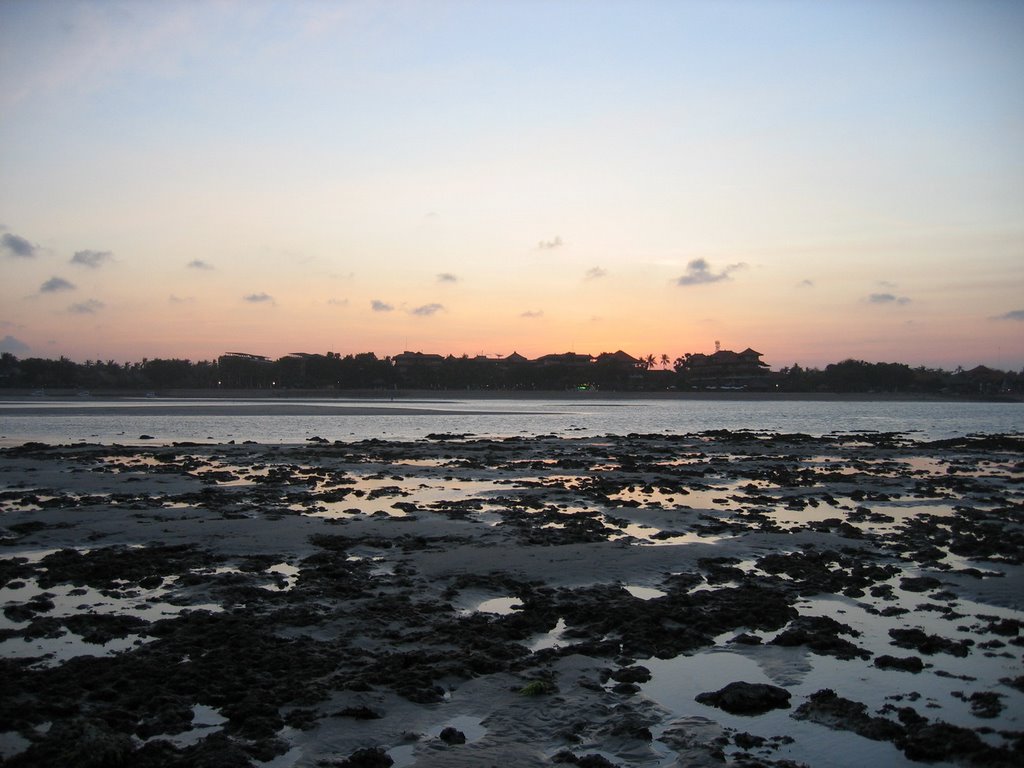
(726, 369)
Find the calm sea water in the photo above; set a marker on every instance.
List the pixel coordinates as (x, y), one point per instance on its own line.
(72, 421)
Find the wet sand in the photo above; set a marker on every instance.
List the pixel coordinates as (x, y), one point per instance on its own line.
(255, 407)
(527, 601)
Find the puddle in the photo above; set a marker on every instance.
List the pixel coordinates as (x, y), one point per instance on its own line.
(644, 593)
(649, 536)
(402, 756)
(421, 462)
(550, 639)
(290, 574)
(937, 692)
(500, 606)
(373, 495)
(675, 683)
(70, 600)
(205, 721)
(54, 651)
(12, 743)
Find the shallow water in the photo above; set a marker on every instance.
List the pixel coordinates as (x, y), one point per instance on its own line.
(501, 417)
(675, 682)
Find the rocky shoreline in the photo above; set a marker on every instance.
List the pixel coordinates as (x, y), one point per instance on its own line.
(646, 600)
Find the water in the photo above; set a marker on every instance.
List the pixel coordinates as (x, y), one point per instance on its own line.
(203, 420)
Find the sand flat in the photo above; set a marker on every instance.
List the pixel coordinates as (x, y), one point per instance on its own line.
(314, 597)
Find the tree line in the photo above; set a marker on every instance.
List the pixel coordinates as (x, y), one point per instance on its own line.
(366, 371)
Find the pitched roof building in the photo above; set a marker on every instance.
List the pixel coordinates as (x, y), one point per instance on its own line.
(725, 368)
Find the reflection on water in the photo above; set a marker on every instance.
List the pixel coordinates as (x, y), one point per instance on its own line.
(499, 417)
(675, 683)
(941, 690)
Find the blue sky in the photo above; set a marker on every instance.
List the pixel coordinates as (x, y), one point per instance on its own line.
(847, 176)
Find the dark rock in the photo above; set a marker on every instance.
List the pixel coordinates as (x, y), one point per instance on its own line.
(942, 741)
(1005, 627)
(746, 740)
(747, 639)
(626, 689)
(19, 612)
(821, 635)
(173, 716)
(82, 743)
(215, 751)
(450, 735)
(301, 719)
(101, 628)
(636, 674)
(742, 698)
(359, 713)
(266, 749)
(919, 583)
(905, 663)
(986, 704)
(564, 757)
(927, 644)
(829, 709)
(373, 757)
(910, 717)
(632, 726)
(1014, 682)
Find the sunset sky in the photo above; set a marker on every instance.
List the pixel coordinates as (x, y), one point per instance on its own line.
(816, 180)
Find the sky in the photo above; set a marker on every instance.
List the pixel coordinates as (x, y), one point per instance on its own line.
(815, 180)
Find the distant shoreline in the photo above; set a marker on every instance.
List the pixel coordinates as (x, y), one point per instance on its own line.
(440, 396)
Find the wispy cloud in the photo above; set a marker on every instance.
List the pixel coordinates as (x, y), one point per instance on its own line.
(15, 245)
(595, 273)
(181, 299)
(259, 298)
(91, 259)
(699, 272)
(87, 307)
(547, 245)
(1013, 314)
(55, 285)
(447, 277)
(199, 264)
(887, 298)
(426, 310)
(532, 313)
(338, 302)
(805, 284)
(14, 346)
(381, 306)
